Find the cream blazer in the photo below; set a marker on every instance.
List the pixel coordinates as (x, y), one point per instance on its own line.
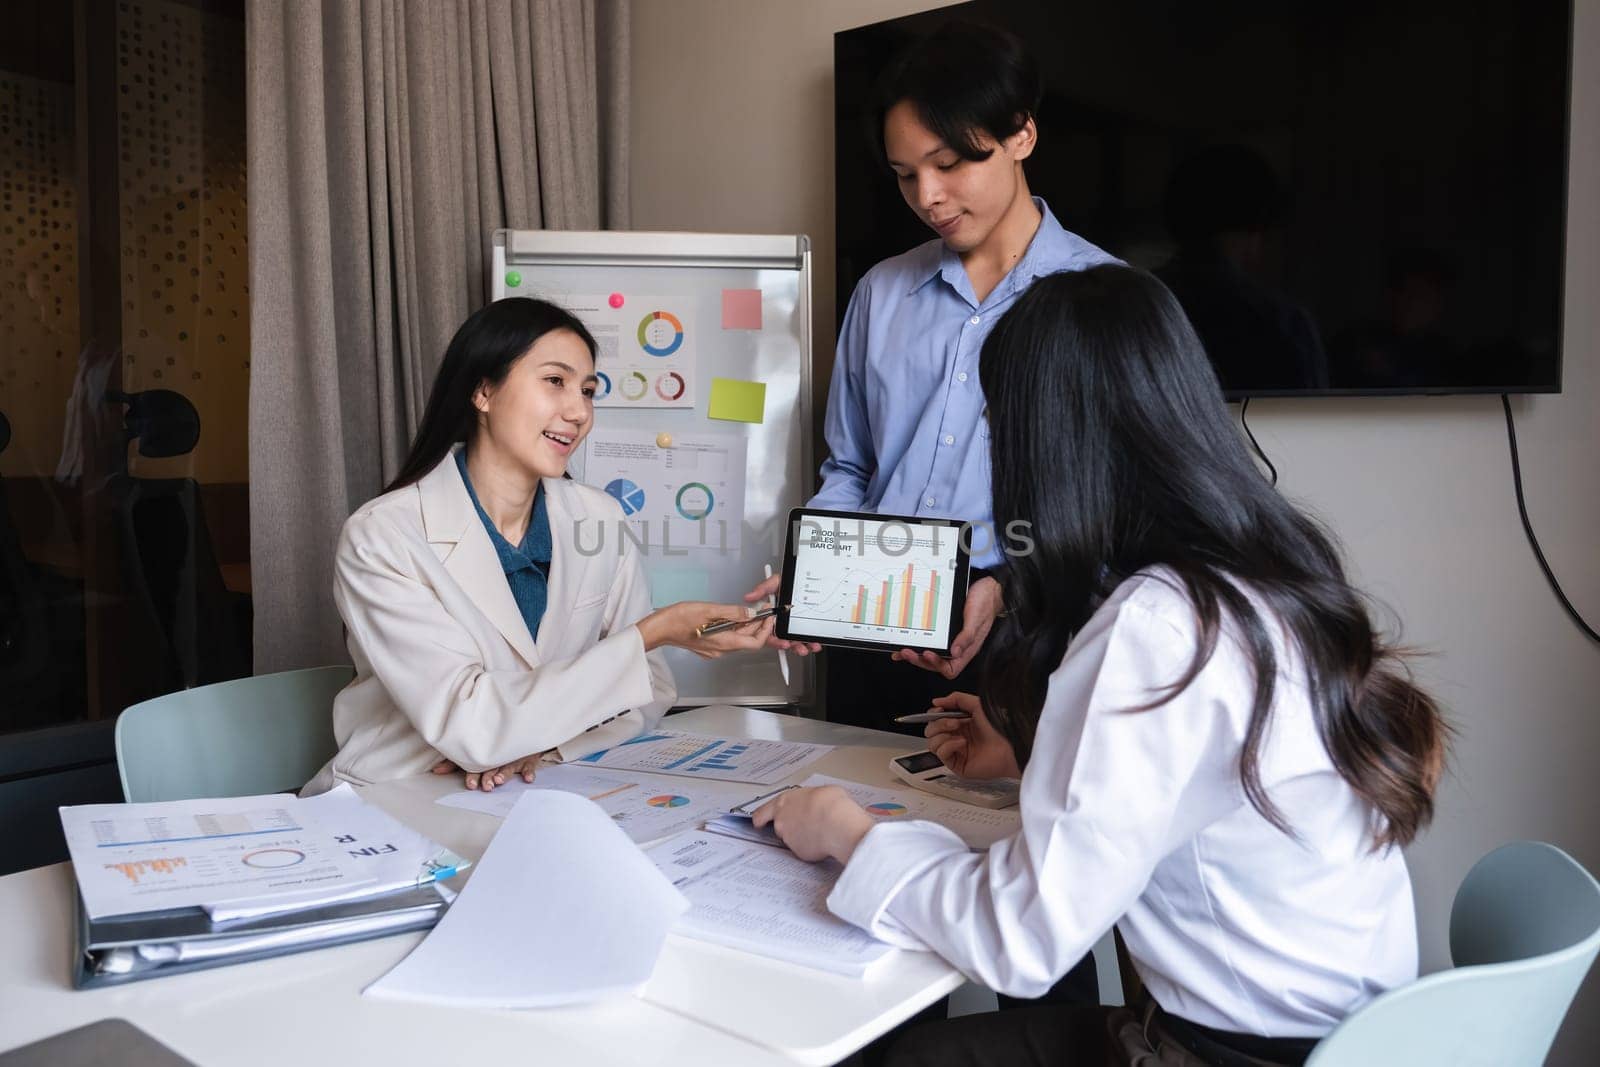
(444, 662)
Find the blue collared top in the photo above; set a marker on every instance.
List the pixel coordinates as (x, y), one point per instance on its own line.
(905, 412)
(527, 565)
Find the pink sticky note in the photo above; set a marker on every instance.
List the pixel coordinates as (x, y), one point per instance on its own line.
(741, 309)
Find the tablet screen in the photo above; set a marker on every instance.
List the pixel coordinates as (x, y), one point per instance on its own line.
(874, 580)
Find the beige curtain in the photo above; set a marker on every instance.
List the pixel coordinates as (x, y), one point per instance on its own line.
(387, 141)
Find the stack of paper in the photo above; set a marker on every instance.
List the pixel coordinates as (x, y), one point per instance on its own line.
(562, 909)
(182, 884)
(763, 900)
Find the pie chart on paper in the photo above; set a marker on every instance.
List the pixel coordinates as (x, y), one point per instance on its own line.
(630, 496)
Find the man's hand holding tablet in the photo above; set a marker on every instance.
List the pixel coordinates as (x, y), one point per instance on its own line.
(983, 607)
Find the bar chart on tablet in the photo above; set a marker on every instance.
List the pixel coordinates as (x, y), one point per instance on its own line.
(876, 583)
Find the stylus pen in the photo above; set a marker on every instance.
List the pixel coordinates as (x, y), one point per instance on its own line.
(783, 657)
(727, 624)
(930, 716)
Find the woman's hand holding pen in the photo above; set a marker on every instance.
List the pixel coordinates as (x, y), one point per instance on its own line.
(680, 626)
(971, 747)
(769, 590)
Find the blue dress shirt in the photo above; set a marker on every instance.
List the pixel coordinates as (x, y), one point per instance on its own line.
(527, 565)
(905, 412)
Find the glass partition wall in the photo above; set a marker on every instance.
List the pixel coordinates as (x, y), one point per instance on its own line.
(124, 370)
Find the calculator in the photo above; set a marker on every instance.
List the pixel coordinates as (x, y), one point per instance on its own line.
(924, 771)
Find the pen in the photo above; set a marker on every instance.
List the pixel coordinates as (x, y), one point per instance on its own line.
(931, 716)
(719, 625)
(749, 806)
(783, 657)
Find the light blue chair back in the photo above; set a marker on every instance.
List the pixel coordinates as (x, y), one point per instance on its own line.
(1523, 931)
(267, 734)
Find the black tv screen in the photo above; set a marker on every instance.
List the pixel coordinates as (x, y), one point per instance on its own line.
(1348, 198)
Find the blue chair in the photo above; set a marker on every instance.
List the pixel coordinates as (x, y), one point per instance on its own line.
(1524, 929)
(267, 734)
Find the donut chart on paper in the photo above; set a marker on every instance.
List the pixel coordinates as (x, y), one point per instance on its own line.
(670, 386)
(272, 859)
(602, 388)
(634, 385)
(660, 333)
(695, 501)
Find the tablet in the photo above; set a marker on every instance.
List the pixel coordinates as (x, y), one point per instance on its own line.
(881, 582)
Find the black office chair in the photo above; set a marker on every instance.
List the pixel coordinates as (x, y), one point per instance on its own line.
(169, 568)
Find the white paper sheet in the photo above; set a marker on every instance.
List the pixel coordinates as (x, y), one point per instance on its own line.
(131, 858)
(391, 855)
(978, 827)
(689, 496)
(763, 900)
(648, 807)
(721, 759)
(562, 909)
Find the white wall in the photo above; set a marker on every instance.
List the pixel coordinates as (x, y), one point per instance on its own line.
(733, 131)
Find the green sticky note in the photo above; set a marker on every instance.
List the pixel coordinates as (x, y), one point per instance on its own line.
(670, 585)
(737, 401)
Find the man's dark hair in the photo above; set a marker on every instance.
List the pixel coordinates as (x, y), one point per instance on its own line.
(965, 79)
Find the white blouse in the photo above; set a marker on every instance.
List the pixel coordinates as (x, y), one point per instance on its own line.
(1138, 819)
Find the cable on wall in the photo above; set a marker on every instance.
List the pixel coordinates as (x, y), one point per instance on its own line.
(1527, 527)
(1253, 442)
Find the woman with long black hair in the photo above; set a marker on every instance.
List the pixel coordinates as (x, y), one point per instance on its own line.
(495, 610)
(1219, 755)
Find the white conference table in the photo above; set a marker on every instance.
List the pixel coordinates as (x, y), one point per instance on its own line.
(704, 1005)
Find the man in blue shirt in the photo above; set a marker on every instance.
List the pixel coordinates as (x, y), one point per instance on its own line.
(905, 420)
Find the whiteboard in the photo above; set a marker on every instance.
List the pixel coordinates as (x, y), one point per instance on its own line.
(660, 308)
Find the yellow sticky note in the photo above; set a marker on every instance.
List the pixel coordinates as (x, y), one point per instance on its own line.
(737, 401)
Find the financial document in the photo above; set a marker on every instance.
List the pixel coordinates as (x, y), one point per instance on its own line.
(719, 759)
(647, 807)
(391, 857)
(131, 858)
(763, 900)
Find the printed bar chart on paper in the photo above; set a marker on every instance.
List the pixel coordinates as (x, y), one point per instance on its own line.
(717, 758)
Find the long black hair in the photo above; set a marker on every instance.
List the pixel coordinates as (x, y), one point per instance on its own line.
(1110, 437)
(965, 79)
(482, 351)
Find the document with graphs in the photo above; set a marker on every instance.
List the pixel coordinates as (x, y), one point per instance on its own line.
(136, 858)
(721, 759)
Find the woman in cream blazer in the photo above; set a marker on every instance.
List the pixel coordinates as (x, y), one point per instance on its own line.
(482, 635)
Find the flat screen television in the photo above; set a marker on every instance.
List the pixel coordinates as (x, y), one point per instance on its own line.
(1348, 198)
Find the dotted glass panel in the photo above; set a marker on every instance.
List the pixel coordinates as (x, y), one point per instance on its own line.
(185, 262)
(38, 269)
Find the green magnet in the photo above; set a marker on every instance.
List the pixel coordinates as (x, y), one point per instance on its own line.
(513, 279)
